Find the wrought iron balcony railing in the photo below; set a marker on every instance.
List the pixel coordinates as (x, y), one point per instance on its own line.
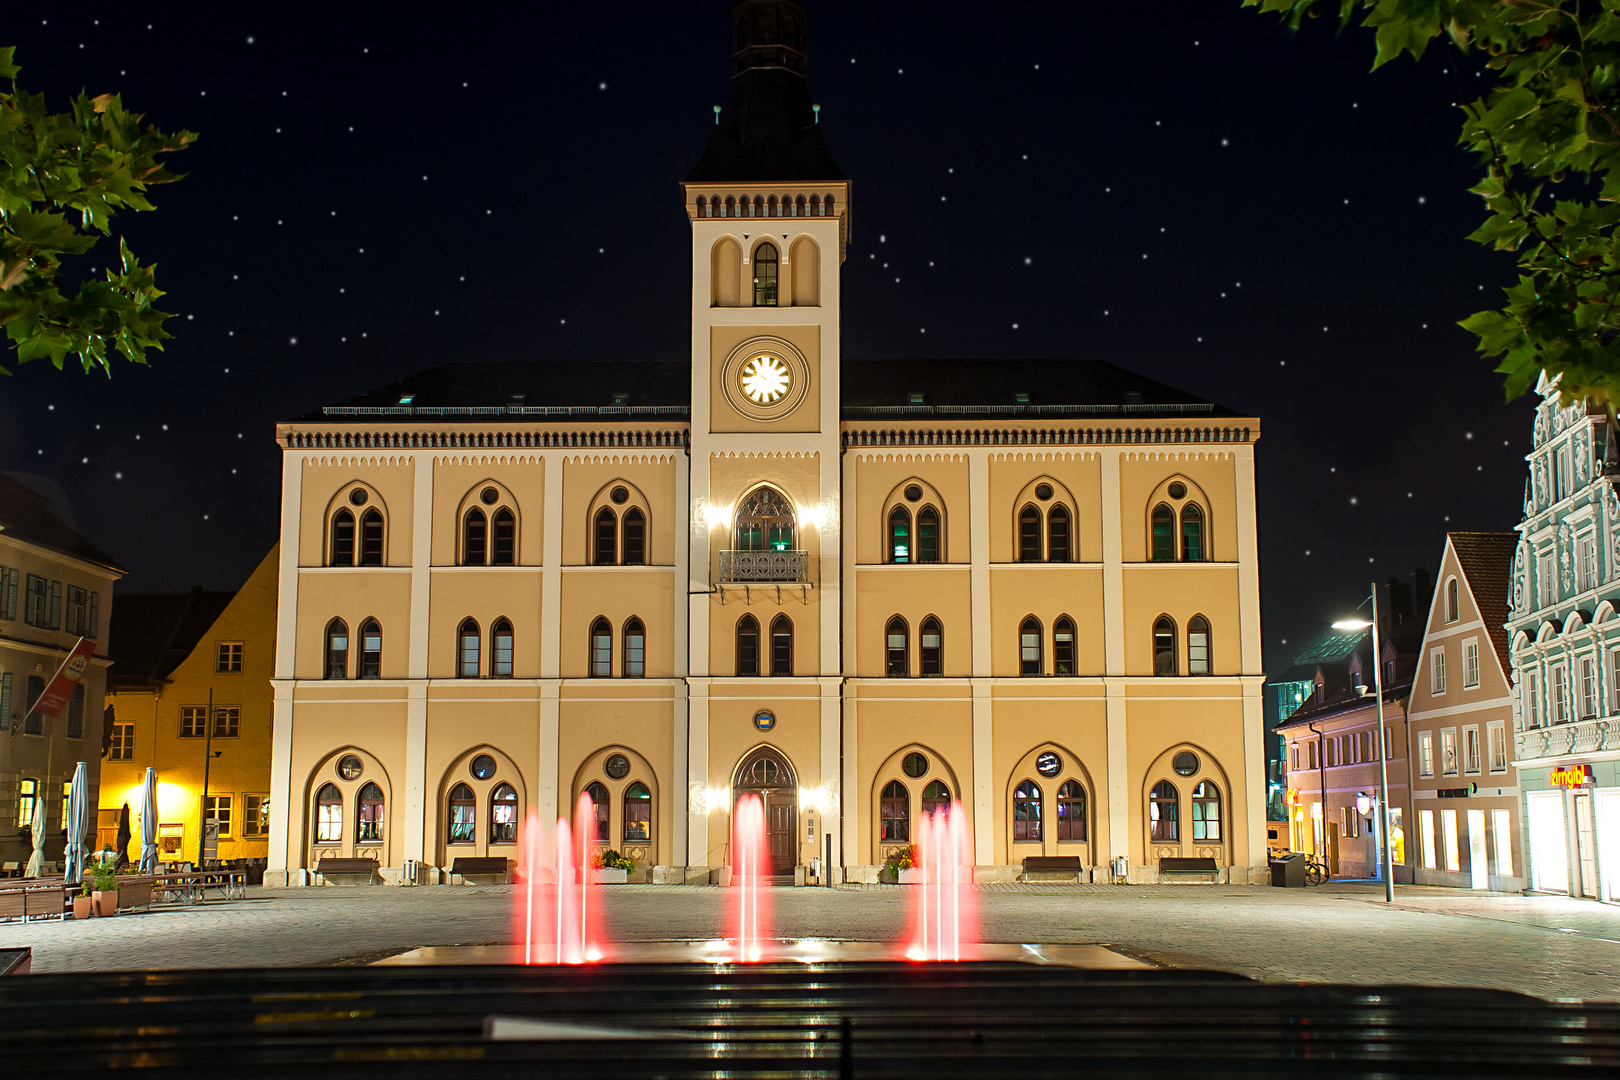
(1580, 737)
(769, 567)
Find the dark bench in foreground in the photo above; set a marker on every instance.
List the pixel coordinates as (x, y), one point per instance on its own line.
(1053, 868)
(466, 867)
(342, 870)
(1202, 868)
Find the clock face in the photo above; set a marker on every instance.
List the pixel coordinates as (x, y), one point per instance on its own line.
(765, 378)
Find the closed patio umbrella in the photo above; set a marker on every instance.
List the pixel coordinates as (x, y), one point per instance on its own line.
(149, 823)
(36, 861)
(123, 836)
(78, 823)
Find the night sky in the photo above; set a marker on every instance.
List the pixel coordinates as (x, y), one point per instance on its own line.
(1206, 199)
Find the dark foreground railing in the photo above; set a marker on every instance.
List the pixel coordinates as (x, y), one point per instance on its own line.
(847, 1019)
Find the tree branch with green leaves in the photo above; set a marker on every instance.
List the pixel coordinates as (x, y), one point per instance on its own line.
(63, 178)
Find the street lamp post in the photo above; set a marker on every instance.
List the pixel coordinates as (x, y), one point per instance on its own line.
(208, 759)
(1383, 747)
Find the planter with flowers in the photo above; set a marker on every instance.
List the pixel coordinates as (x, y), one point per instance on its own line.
(101, 880)
(901, 869)
(608, 867)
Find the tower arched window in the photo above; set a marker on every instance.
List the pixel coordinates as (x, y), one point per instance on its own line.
(1063, 650)
(329, 815)
(765, 266)
(1206, 812)
(371, 539)
(931, 639)
(500, 654)
(1029, 647)
(748, 645)
(928, 535)
(730, 208)
(827, 206)
(342, 538)
(899, 535)
(1029, 534)
(1198, 656)
(758, 205)
(369, 824)
(1452, 607)
(936, 798)
(635, 537)
(601, 649)
(503, 814)
(601, 812)
(1164, 812)
(1071, 811)
(503, 552)
(702, 206)
(1057, 535)
(635, 648)
(475, 536)
(770, 206)
(1026, 813)
(1192, 533)
(463, 815)
(370, 649)
(781, 646)
(1164, 534)
(637, 812)
(815, 206)
(1164, 646)
(765, 522)
(896, 659)
(798, 206)
(467, 649)
(337, 649)
(605, 538)
(894, 812)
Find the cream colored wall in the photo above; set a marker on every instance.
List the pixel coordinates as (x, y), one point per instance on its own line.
(1182, 590)
(1212, 476)
(879, 481)
(1079, 475)
(666, 521)
(324, 486)
(913, 592)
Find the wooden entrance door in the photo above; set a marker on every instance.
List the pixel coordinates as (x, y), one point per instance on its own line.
(766, 773)
(781, 823)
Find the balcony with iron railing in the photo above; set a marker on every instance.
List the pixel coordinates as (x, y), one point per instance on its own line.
(1587, 736)
(765, 567)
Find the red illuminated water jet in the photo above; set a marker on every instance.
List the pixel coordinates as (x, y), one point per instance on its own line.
(558, 919)
(943, 909)
(750, 866)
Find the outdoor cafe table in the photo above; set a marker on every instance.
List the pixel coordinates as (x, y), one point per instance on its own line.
(193, 886)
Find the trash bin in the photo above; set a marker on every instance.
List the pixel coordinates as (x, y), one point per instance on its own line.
(1288, 871)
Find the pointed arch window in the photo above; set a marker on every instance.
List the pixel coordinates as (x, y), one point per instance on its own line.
(637, 812)
(369, 826)
(1063, 651)
(1071, 811)
(601, 649)
(503, 814)
(635, 537)
(894, 812)
(781, 645)
(371, 649)
(748, 645)
(765, 522)
(1029, 647)
(1164, 646)
(1057, 534)
(936, 798)
(500, 652)
(635, 649)
(765, 260)
(463, 815)
(1163, 812)
(1029, 535)
(605, 532)
(337, 649)
(343, 538)
(371, 539)
(899, 535)
(329, 815)
(931, 654)
(1451, 601)
(928, 535)
(503, 552)
(896, 662)
(1027, 811)
(475, 535)
(1192, 533)
(1164, 534)
(1198, 646)
(601, 812)
(1206, 812)
(467, 649)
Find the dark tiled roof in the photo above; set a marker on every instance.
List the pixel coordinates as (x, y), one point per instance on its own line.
(1341, 700)
(767, 133)
(26, 515)
(151, 634)
(1078, 386)
(537, 390)
(1487, 562)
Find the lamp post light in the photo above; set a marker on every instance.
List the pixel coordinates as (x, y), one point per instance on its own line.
(1383, 748)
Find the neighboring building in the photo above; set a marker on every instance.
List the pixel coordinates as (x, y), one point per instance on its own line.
(857, 589)
(170, 653)
(1464, 794)
(55, 587)
(1565, 643)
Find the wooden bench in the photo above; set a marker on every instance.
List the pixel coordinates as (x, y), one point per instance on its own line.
(329, 866)
(466, 866)
(1053, 868)
(1205, 868)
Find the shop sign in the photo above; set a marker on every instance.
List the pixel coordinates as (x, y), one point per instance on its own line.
(1291, 796)
(1571, 777)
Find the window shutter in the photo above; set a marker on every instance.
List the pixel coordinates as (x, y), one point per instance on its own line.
(5, 700)
(4, 577)
(56, 605)
(11, 595)
(95, 614)
(31, 590)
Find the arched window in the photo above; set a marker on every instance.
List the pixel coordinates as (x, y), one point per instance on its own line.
(932, 651)
(27, 801)
(1063, 662)
(342, 538)
(1071, 811)
(827, 204)
(467, 653)
(770, 206)
(503, 814)
(1164, 534)
(371, 539)
(463, 815)
(731, 207)
(601, 649)
(798, 206)
(894, 812)
(815, 206)
(765, 259)
(1164, 646)
(1192, 533)
(500, 651)
(635, 538)
(702, 207)
(1029, 647)
(758, 206)
(1057, 534)
(936, 798)
(1206, 812)
(601, 812)
(781, 645)
(1452, 607)
(1027, 811)
(896, 637)
(748, 645)
(371, 649)
(899, 535)
(635, 649)
(1163, 811)
(370, 825)
(637, 812)
(474, 535)
(1029, 535)
(605, 549)
(928, 535)
(329, 815)
(337, 649)
(504, 550)
(765, 522)
(1198, 646)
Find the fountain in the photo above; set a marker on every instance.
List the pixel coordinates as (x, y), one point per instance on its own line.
(944, 926)
(557, 920)
(750, 863)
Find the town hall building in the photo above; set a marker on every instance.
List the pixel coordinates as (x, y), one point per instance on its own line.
(861, 589)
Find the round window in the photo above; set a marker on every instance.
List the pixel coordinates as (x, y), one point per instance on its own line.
(1043, 491)
(915, 765)
(349, 767)
(913, 492)
(620, 495)
(483, 767)
(617, 766)
(763, 772)
(764, 720)
(1186, 763)
(358, 496)
(1048, 764)
(1178, 490)
(489, 495)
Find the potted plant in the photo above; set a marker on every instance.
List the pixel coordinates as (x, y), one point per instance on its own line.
(901, 869)
(611, 868)
(103, 879)
(82, 902)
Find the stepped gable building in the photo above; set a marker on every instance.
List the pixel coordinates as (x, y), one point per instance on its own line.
(861, 589)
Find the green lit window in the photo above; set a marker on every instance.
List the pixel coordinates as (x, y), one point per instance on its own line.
(1164, 534)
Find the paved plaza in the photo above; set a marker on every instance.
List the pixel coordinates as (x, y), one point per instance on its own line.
(1549, 946)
